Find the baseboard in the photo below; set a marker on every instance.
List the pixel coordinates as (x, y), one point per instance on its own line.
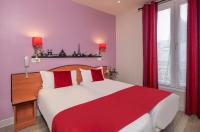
(6, 122)
(10, 121)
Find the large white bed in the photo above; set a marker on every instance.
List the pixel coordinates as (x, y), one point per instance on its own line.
(161, 115)
(53, 101)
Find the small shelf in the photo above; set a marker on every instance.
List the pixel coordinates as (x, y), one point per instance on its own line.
(24, 114)
(67, 56)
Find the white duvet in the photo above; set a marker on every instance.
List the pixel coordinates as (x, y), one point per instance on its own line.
(53, 101)
(161, 115)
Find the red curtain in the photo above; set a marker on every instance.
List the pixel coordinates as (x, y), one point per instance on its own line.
(150, 67)
(193, 59)
(198, 94)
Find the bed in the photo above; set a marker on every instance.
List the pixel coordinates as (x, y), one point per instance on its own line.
(161, 115)
(51, 102)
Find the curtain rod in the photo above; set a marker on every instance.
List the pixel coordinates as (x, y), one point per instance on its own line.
(159, 2)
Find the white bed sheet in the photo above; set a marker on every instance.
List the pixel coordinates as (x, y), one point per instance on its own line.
(51, 102)
(161, 115)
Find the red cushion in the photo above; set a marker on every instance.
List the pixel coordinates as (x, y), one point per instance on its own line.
(97, 75)
(62, 79)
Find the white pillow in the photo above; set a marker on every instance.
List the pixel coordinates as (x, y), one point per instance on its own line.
(48, 79)
(86, 75)
(74, 77)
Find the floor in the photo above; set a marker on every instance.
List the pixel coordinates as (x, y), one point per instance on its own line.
(181, 123)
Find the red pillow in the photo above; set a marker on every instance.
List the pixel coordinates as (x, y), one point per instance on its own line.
(62, 79)
(97, 75)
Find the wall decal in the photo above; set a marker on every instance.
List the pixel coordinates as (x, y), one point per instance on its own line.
(62, 54)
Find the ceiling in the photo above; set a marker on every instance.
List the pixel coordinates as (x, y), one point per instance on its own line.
(112, 6)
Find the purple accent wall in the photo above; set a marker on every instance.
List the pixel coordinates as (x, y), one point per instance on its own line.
(62, 23)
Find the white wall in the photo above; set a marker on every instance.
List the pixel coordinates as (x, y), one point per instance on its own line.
(129, 47)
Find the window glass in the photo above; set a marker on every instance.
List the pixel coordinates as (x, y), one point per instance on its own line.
(164, 24)
(172, 43)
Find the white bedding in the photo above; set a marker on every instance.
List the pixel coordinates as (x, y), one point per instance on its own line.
(51, 102)
(161, 115)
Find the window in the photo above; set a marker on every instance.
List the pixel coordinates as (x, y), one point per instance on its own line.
(172, 40)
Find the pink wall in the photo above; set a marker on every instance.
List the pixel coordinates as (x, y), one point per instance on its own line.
(62, 23)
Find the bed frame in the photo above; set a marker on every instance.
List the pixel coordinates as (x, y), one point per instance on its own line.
(29, 87)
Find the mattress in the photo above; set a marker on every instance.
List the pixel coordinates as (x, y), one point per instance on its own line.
(161, 115)
(53, 101)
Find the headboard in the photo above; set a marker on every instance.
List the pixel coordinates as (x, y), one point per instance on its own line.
(22, 87)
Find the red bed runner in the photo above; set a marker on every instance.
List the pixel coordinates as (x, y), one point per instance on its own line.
(110, 113)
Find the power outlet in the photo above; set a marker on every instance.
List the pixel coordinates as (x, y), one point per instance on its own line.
(100, 59)
(35, 60)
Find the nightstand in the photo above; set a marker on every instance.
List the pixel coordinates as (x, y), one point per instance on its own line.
(24, 111)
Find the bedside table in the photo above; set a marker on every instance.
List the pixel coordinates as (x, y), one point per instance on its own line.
(24, 111)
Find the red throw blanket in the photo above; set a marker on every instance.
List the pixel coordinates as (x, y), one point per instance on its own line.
(110, 113)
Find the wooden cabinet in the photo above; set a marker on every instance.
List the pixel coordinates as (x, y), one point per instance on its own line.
(23, 100)
(24, 113)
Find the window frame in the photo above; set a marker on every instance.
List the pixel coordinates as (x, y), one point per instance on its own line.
(174, 7)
